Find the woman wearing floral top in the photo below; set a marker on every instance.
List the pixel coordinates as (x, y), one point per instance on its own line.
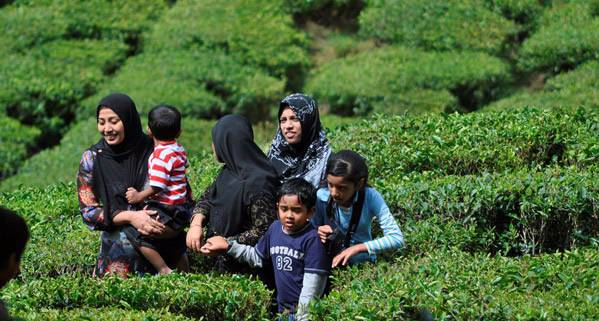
(107, 169)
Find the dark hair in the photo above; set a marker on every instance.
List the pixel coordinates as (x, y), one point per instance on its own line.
(349, 165)
(164, 122)
(306, 193)
(13, 235)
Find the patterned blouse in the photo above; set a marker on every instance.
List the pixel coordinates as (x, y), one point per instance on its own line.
(262, 212)
(117, 254)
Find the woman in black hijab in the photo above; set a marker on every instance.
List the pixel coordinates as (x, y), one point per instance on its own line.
(118, 161)
(240, 205)
(300, 147)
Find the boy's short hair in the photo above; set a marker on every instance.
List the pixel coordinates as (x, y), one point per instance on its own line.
(164, 122)
(13, 235)
(305, 192)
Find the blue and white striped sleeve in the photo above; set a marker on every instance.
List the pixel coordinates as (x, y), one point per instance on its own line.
(393, 237)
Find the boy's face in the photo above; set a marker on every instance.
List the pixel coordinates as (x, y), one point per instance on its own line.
(292, 214)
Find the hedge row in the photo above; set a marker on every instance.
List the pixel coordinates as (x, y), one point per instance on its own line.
(473, 143)
(452, 285)
(45, 85)
(524, 12)
(521, 211)
(379, 78)
(27, 24)
(200, 82)
(570, 90)
(436, 25)
(206, 297)
(103, 314)
(57, 52)
(256, 32)
(568, 34)
(15, 139)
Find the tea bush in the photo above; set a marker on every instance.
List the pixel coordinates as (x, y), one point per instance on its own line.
(200, 82)
(206, 297)
(453, 285)
(256, 32)
(568, 34)
(380, 78)
(396, 146)
(436, 25)
(569, 90)
(15, 138)
(527, 212)
(103, 314)
(524, 12)
(45, 85)
(301, 6)
(28, 24)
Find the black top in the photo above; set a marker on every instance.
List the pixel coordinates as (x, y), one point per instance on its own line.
(118, 167)
(246, 175)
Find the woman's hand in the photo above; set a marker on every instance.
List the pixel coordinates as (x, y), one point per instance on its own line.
(346, 254)
(324, 231)
(215, 245)
(194, 234)
(145, 222)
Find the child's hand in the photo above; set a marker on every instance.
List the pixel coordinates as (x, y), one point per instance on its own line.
(214, 246)
(133, 196)
(324, 231)
(346, 254)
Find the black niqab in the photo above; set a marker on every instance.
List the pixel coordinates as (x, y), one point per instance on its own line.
(118, 167)
(246, 174)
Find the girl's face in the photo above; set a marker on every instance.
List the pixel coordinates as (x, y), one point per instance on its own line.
(111, 127)
(342, 190)
(290, 126)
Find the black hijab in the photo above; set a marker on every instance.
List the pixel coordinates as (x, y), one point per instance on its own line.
(246, 174)
(296, 160)
(118, 167)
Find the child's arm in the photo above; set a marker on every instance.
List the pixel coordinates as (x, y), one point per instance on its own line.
(134, 197)
(245, 253)
(393, 237)
(217, 245)
(312, 287)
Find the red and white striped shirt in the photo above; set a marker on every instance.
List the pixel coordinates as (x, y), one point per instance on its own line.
(166, 170)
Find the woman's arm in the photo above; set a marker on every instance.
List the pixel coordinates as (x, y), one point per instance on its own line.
(198, 218)
(393, 237)
(262, 213)
(91, 211)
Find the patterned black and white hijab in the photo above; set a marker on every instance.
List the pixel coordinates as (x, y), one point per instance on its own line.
(308, 158)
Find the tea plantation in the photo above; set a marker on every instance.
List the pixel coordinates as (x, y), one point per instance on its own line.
(479, 120)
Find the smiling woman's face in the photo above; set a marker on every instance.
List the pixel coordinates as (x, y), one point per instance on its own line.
(111, 126)
(290, 126)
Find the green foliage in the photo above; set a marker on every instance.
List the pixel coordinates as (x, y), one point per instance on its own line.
(522, 211)
(569, 90)
(199, 296)
(303, 6)
(60, 243)
(30, 24)
(14, 141)
(453, 285)
(436, 25)
(393, 77)
(256, 32)
(522, 11)
(103, 314)
(200, 82)
(568, 35)
(474, 143)
(44, 86)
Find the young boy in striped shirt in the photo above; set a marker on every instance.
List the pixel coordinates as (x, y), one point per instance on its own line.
(168, 192)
